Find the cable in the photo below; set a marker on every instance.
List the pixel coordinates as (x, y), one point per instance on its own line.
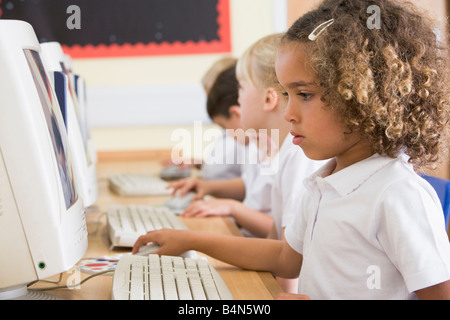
(72, 285)
(54, 281)
(47, 280)
(97, 223)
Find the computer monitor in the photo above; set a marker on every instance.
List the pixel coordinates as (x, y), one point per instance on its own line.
(80, 90)
(68, 62)
(42, 222)
(85, 169)
(78, 86)
(83, 175)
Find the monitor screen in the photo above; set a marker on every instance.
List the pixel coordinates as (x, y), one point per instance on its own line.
(71, 88)
(55, 128)
(60, 90)
(80, 90)
(76, 104)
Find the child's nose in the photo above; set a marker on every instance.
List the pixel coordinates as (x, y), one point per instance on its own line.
(289, 115)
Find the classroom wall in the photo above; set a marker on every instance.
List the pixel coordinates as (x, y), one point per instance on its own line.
(137, 103)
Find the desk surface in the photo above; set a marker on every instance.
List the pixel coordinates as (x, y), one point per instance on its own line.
(243, 284)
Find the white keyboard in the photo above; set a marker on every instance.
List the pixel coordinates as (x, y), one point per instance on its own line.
(167, 278)
(127, 223)
(133, 184)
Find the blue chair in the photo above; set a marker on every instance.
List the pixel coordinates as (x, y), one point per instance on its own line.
(442, 187)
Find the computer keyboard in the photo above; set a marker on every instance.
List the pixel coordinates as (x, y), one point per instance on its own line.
(134, 184)
(167, 278)
(127, 223)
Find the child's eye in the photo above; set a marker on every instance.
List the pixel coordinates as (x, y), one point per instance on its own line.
(284, 94)
(305, 96)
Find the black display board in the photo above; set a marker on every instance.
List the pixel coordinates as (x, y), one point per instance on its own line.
(116, 24)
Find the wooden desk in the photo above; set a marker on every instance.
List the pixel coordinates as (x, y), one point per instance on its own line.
(243, 284)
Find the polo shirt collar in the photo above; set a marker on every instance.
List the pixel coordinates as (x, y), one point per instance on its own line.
(349, 179)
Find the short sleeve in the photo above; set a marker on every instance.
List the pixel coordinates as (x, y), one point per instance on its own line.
(295, 230)
(412, 233)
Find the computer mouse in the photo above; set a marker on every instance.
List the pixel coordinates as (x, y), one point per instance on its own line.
(152, 247)
(177, 204)
(173, 172)
(147, 249)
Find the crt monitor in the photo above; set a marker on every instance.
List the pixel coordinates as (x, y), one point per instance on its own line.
(85, 175)
(55, 59)
(68, 62)
(85, 169)
(42, 222)
(80, 91)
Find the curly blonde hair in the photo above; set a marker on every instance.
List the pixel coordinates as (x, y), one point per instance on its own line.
(391, 84)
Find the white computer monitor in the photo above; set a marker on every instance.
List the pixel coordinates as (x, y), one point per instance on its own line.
(42, 222)
(80, 90)
(85, 175)
(85, 169)
(56, 59)
(68, 62)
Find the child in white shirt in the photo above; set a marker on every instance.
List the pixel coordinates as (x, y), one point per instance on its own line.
(262, 113)
(223, 109)
(273, 188)
(376, 101)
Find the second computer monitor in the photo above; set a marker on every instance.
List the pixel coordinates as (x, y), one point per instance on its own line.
(53, 58)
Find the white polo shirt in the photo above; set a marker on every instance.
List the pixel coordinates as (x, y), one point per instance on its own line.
(374, 230)
(288, 184)
(258, 181)
(224, 161)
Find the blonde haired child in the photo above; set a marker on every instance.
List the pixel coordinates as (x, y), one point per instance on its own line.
(260, 113)
(377, 101)
(280, 185)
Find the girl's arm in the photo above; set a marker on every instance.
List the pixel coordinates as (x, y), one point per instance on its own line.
(440, 291)
(247, 253)
(232, 188)
(258, 223)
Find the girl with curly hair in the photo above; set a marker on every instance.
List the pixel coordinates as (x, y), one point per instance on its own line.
(375, 101)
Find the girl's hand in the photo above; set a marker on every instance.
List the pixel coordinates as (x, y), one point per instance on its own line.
(182, 186)
(215, 207)
(171, 241)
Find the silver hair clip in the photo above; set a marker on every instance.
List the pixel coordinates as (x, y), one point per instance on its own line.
(321, 28)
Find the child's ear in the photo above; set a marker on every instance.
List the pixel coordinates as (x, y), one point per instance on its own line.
(235, 111)
(271, 99)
